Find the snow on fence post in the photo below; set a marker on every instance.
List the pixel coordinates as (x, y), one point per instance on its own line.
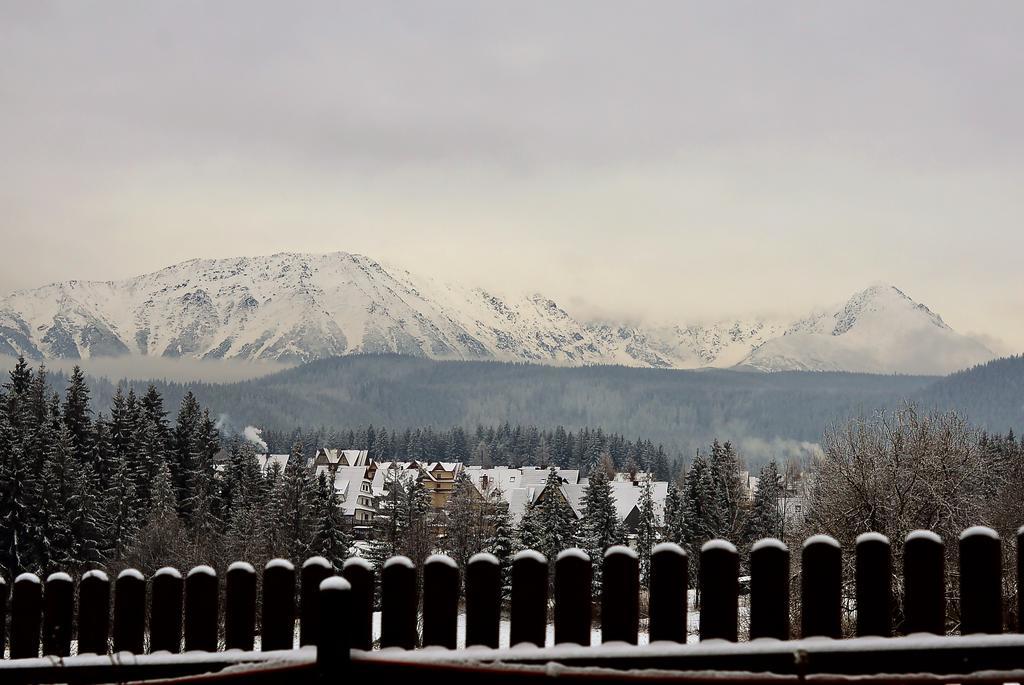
(669, 585)
(93, 612)
(440, 601)
(202, 609)
(359, 573)
(573, 601)
(129, 611)
(333, 645)
(58, 614)
(398, 604)
(240, 606)
(873, 575)
(719, 587)
(769, 589)
(26, 608)
(821, 587)
(314, 571)
(924, 583)
(981, 581)
(620, 596)
(166, 590)
(483, 600)
(528, 611)
(277, 620)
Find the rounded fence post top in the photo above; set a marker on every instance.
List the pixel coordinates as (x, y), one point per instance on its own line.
(131, 573)
(280, 563)
(335, 583)
(719, 545)
(316, 561)
(872, 537)
(928, 535)
(483, 558)
(668, 548)
(769, 543)
(244, 566)
(28, 578)
(821, 540)
(99, 575)
(442, 559)
(359, 562)
(59, 577)
(167, 571)
(572, 553)
(203, 570)
(405, 562)
(621, 550)
(979, 531)
(531, 555)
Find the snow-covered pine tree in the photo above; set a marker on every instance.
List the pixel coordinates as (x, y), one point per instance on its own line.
(600, 527)
(464, 531)
(728, 500)
(63, 512)
(765, 518)
(502, 541)
(389, 522)
(555, 520)
(298, 490)
(331, 539)
(77, 416)
(420, 540)
(646, 527)
(675, 523)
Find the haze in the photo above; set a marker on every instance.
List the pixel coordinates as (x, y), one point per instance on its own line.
(645, 160)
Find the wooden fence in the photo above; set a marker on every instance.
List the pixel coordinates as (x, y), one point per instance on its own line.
(334, 612)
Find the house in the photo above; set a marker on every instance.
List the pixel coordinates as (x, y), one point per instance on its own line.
(334, 457)
(268, 462)
(439, 479)
(355, 492)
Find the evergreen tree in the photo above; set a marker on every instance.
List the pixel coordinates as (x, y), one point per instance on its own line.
(331, 539)
(727, 503)
(299, 499)
(502, 541)
(64, 513)
(646, 531)
(464, 521)
(549, 526)
(765, 518)
(389, 522)
(600, 527)
(77, 417)
(675, 522)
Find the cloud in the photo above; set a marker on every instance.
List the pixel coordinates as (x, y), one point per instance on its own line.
(163, 368)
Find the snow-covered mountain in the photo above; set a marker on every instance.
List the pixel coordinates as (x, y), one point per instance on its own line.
(299, 307)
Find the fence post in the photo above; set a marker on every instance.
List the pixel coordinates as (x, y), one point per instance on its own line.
(620, 595)
(314, 571)
(202, 609)
(93, 613)
(573, 601)
(26, 607)
(398, 604)
(332, 648)
(58, 614)
(240, 607)
(4, 594)
(528, 611)
(981, 581)
(1020, 579)
(483, 600)
(821, 587)
(440, 601)
(719, 586)
(874, 585)
(166, 589)
(924, 583)
(277, 621)
(359, 573)
(769, 589)
(670, 583)
(129, 611)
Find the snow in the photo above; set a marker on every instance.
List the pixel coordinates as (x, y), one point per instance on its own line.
(242, 566)
(59, 576)
(335, 583)
(719, 544)
(821, 540)
(131, 573)
(441, 559)
(316, 561)
(924, 535)
(280, 563)
(97, 574)
(484, 558)
(572, 553)
(769, 543)
(168, 571)
(983, 531)
(668, 547)
(202, 569)
(620, 549)
(529, 554)
(872, 537)
(399, 561)
(358, 561)
(27, 578)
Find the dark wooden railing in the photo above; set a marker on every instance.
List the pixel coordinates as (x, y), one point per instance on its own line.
(334, 614)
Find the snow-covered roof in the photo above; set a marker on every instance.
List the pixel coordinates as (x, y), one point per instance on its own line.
(267, 461)
(348, 483)
(534, 475)
(488, 481)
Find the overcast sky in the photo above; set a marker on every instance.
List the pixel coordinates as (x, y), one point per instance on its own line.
(637, 159)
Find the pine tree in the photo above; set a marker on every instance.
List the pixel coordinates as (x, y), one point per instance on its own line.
(419, 540)
(765, 519)
(600, 527)
(298, 492)
(63, 512)
(675, 522)
(77, 417)
(550, 521)
(464, 521)
(727, 496)
(389, 523)
(646, 531)
(502, 541)
(331, 539)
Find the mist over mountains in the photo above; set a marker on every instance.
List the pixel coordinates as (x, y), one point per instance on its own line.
(296, 308)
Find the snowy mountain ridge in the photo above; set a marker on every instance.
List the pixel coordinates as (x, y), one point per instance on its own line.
(299, 307)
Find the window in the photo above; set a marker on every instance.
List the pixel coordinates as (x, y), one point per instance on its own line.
(796, 508)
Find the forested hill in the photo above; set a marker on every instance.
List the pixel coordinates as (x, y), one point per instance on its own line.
(992, 394)
(764, 414)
